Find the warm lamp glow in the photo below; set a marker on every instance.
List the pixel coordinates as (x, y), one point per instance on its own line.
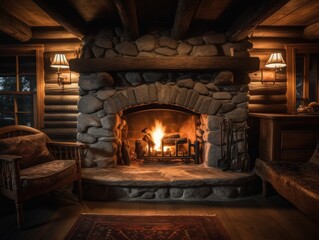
(275, 61)
(59, 61)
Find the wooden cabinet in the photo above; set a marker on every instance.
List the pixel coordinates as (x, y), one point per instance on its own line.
(283, 137)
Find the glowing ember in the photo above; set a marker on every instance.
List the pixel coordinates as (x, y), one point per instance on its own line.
(157, 133)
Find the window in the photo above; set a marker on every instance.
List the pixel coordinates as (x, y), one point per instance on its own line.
(21, 75)
(302, 75)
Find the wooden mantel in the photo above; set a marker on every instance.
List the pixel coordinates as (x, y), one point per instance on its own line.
(88, 65)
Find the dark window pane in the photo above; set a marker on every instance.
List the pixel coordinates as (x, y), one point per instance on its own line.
(25, 119)
(8, 64)
(313, 77)
(27, 83)
(8, 83)
(6, 103)
(299, 80)
(25, 103)
(6, 119)
(27, 64)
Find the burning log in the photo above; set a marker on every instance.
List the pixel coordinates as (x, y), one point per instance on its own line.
(171, 136)
(148, 137)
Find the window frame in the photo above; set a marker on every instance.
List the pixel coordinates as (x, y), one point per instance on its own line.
(38, 97)
(291, 51)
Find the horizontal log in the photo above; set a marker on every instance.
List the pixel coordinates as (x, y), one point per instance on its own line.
(61, 108)
(61, 134)
(60, 124)
(258, 88)
(60, 116)
(67, 89)
(271, 43)
(60, 99)
(58, 45)
(267, 99)
(51, 77)
(268, 75)
(248, 64)
(267, 108)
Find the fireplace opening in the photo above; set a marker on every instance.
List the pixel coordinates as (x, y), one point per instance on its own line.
(161, 135)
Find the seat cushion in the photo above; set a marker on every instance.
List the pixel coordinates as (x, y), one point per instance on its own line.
(315, 156)
(46, 174)
(32, 148)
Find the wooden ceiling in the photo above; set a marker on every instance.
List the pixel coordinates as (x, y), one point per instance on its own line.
(25, 19)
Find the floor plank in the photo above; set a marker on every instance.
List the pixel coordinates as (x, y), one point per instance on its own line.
(51, 216)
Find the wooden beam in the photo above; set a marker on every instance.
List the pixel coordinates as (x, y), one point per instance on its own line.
(312, 31)
(14, 27)
(51, 33)
(64, 14)
(278, 31)
(249, 19)
(183, 17)
(127, 13)
(241, 64)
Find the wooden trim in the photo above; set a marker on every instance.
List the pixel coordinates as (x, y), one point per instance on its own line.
(249, 64)
(183, 17)
(291, 51)
(40, 88)
(291, 79)
(278, 31)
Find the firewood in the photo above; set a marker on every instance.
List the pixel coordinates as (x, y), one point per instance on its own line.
(147, 138)
(172, 136)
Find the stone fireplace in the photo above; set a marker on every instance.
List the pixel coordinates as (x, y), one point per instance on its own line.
(196, 87)
(209, 94)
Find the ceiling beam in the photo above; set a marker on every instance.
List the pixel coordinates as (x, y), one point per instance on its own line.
(128, 15)
(184, 14)
(14, 27)
(312, 31)
(64, 14)
(249, 19)
(278, 31)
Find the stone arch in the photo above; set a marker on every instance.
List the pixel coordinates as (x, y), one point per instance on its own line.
(159, 93)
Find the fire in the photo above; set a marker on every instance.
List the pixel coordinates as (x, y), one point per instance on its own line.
(157, 133)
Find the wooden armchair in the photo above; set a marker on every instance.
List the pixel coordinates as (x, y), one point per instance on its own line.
(31, 164)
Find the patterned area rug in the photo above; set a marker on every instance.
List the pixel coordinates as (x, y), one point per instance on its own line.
(128, 227)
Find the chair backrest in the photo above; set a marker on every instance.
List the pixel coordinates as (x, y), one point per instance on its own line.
(17, 130)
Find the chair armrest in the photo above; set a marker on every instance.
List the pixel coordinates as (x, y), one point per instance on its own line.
(10, 172)
(65, 150)
(10, 158)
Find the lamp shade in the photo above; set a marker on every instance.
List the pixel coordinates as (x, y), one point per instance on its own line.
(60, 61)
(275, 61)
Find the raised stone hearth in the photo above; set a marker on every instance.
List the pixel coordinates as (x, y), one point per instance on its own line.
(163, 183)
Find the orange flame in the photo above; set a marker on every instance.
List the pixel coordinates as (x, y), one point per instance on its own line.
(157, 133)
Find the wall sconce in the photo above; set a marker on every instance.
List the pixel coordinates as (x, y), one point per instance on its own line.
(58, 62)
(276, 63)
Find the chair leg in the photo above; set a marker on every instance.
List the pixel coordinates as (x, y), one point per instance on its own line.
(79, 188)
(20, 217)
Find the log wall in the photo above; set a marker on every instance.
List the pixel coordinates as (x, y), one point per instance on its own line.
(60, 111)
(267, 96)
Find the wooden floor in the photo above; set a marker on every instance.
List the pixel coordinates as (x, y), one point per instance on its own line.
(51, 216)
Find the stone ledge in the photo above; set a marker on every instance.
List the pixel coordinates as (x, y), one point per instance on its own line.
(187, 183)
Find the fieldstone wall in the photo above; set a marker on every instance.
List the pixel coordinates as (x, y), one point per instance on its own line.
(104, 96)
